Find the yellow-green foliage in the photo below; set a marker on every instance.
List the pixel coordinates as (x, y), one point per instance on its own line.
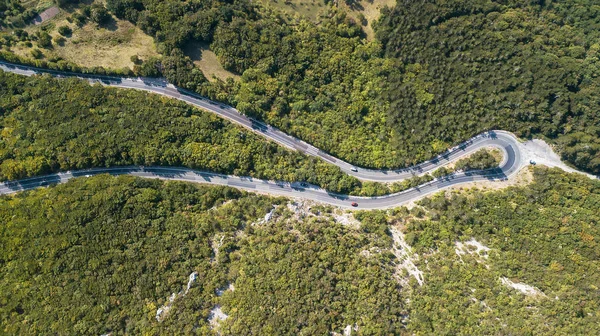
(100, 255)
(544, 235)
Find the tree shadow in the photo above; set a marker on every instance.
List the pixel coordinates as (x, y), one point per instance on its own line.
(110, 24)
(354, 5)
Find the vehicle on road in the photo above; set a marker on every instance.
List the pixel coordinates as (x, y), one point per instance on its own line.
(354, 204)
(354, 169)
(531, 162)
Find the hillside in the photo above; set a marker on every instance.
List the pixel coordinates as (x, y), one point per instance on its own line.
(528, 67)
(104, 254)
(430, 80)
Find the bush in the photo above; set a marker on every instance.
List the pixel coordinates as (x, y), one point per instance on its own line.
(135, 59)
(65, 31)
(64, 3)
(99, 14)
(36, 53)
(44, 40)
(79, 19)
(482, 159)
(362, 19)
(60, 40)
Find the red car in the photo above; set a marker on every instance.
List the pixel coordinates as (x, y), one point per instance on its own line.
(354, 204)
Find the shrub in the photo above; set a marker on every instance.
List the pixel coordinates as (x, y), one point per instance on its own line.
(99, 14)
(60, 40)
(44, 40)
(36, 53)
(65, 31)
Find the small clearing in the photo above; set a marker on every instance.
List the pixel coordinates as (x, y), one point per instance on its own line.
(208, 62)
(222, 290)
(363, 12)
(346, 219)
(216, 244)
(267, 218)
(300, 209)
(542, 153)
(522, 287)
(368, 253)
(474, 248)
(110, 46)
(216, 316)
(371, 10)
(348, 331)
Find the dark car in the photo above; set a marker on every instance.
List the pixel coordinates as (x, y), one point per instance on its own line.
(354, 204)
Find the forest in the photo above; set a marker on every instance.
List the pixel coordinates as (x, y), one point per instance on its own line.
(528, 67)
(103, 254)
(544, 235)
(431, 79)
(51, 125)
(471, 244)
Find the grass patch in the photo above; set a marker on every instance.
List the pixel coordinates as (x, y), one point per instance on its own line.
(40, 5)
(208, 62)
(367, 12)
(110, 45)
(309, 9)
(364, 12)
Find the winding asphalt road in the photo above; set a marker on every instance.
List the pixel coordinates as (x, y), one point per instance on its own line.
(502, 140)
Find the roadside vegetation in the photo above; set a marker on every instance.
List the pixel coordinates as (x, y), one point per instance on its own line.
(51, 125)
(480, 160)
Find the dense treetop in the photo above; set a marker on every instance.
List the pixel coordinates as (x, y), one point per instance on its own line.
(528, 67)
(51, 125)
(13, 14)
(103, 254)
(544, 235)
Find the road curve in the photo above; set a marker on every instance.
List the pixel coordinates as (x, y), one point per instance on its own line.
(502, 140)
(499, 139)
(295, 189)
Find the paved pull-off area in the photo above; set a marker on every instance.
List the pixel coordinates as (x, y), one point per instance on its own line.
(515, 154)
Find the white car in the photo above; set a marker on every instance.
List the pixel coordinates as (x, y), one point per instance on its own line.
(354, 169)
(531, 162)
